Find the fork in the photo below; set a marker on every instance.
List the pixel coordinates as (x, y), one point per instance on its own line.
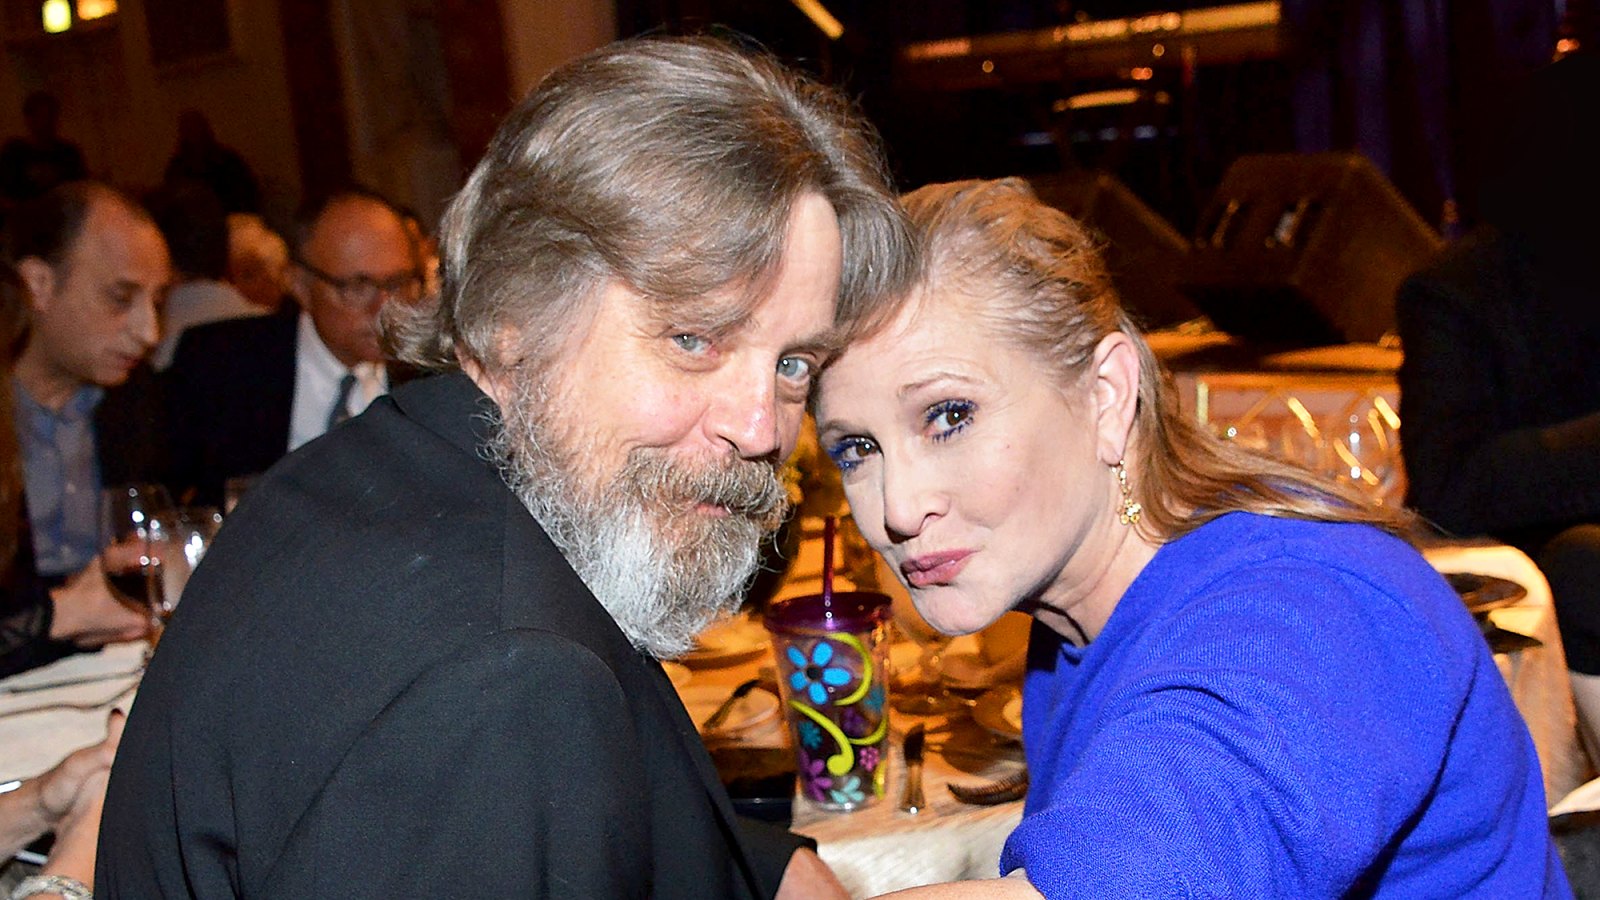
(1002, 790)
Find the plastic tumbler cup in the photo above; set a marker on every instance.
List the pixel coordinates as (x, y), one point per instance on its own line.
(831, 654)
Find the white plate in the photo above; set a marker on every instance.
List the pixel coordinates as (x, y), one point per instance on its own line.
(728, 641)
(1000, 711)
(753, 709)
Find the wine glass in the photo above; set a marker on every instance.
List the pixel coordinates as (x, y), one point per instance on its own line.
(924, 693)
(191, 532)
(141, 515)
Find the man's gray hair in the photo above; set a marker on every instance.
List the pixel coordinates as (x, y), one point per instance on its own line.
(669, 164)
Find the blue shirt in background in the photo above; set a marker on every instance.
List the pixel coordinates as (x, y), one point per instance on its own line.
(61, 475)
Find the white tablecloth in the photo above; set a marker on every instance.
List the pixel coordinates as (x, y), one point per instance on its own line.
(39, 728)
(1537, 676)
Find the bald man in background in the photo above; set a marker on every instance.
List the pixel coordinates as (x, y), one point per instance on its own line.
(246, 392)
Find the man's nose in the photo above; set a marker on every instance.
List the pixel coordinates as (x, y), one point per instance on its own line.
(746, 417)
(145, 324)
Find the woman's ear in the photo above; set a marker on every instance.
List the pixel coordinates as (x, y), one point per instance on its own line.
(1115, 394)
(40, 280)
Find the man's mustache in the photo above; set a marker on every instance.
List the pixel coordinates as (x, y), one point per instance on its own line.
(745, 488)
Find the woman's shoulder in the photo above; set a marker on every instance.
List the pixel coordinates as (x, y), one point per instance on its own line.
(1307, 580)
(1243, 542)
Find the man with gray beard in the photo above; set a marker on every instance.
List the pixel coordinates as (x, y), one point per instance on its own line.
(420, 660)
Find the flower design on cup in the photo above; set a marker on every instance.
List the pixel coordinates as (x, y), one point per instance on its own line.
(848, 790)
(868, 758)
(816, 780)
(874, 699)
(812, 677)
(810, 735)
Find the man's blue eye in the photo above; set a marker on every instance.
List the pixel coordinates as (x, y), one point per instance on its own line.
(950, 416)
(847, 453)
(691, 343)
(794, 368)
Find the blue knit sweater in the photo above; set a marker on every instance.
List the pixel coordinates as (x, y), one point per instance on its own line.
(1280, 708)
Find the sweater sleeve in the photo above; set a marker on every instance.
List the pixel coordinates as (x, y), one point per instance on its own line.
(26, 611)
(1244, 755)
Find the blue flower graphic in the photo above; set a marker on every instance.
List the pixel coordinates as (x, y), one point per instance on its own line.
(810, 734)
(848, 791)
(874, 699)
(811, 676)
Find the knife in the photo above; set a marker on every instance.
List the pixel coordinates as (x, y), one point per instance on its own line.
(720, 715)
(912, 800)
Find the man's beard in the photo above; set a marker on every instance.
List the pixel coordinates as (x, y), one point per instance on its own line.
(663, 568)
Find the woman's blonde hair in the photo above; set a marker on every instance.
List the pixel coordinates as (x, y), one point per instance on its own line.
(1037, 278)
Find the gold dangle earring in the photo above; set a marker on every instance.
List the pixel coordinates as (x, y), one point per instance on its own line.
(1130, 511)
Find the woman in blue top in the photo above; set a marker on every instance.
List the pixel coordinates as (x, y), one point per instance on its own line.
(1241, 682)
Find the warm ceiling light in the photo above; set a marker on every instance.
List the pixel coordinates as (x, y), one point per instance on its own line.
(1095, 99)
(96, 9)
(57, 16)
(820, 17)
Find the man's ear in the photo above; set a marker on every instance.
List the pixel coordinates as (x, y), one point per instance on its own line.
(299, 283)
(1115, 394)
(40, 280)
(490, 375)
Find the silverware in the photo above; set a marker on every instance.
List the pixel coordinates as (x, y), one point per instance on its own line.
(1003, 790)
(30, 687)
(720, 715)
(912, 800)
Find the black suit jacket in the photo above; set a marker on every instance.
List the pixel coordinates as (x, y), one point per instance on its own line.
(131, 444)
(231, 389)
(385, 681)
(1500, 391)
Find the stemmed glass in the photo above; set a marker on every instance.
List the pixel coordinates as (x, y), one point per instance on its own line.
(190, 536)
(925, 693)
(141, 515)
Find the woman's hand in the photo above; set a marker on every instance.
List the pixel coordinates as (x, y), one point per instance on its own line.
(88, 612)
(66, 797)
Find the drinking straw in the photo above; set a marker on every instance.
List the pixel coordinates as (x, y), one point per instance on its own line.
(829, 525)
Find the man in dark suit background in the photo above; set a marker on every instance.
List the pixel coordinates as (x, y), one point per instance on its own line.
(420, 659)
(91, 270)
(247, 391)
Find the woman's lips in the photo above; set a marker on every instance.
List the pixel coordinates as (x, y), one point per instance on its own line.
(935, 568)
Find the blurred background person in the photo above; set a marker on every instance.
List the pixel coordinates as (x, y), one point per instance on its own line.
(41, 159)
(1500, 386)
(196, 230)
(244, 393)
(427, 248)
(258, 261)
(86, 412)
(200, 157)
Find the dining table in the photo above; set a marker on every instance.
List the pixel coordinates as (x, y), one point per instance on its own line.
(47, 712)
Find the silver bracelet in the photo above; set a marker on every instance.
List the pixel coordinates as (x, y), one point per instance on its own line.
(70, 888)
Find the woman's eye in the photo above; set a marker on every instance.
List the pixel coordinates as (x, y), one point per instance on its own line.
(949, 417)
(850, 452)
(691, 343)
(794, 368)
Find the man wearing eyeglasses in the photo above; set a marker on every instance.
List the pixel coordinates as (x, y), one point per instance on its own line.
(246, 392)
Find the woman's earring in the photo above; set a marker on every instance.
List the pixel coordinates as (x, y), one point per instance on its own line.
(1131, 510)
